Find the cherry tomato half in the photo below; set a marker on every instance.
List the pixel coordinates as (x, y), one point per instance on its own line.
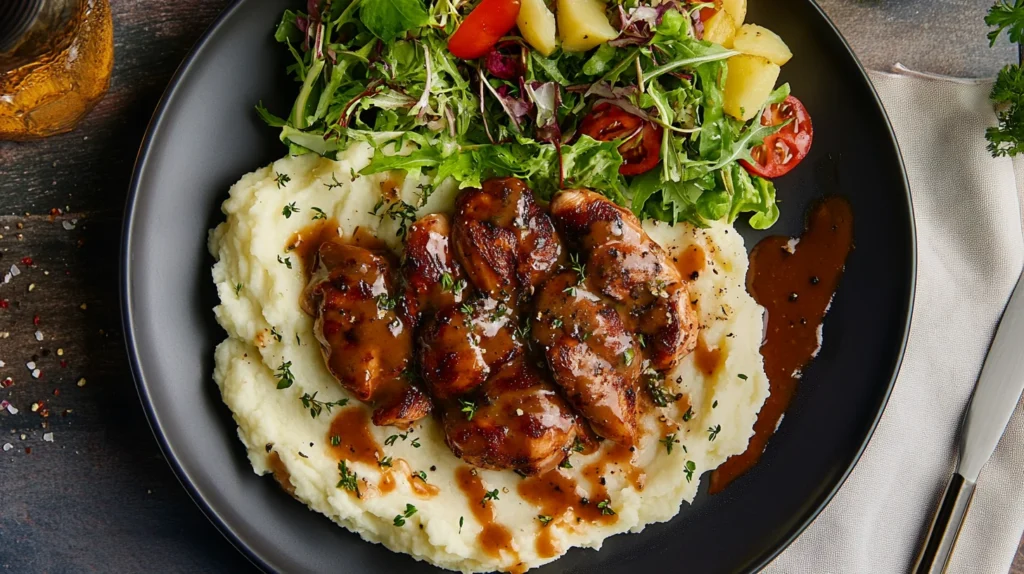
(641, 152)
(482, 29)
(784, 149)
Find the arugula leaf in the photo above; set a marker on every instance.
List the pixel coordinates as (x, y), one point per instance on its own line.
(387, 19)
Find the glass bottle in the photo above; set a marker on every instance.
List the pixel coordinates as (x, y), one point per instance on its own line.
(55, 62)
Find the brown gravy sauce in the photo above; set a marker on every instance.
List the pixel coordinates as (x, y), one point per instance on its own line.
(706, 359)
(280, 471)
(690, 262)
(558, 496)
(351, 426)
(307, 241)
(494, 538)
(795, 285)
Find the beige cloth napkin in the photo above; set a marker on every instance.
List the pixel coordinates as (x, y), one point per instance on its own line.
(970, 252)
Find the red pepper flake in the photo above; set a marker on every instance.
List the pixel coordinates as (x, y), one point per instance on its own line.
(56, 392)
(4, 303)
(64, 364)
(28, 450)
(35, 320)
(45, 413)
(6, 382)
(27, 261)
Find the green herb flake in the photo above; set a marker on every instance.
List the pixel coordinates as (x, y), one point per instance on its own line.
(669, 441)
(318, 213)
(468, 407)
(349, 480)
(713, 432)
(400, 518)
(287, 261)
(316, 407)
(688, 470)
(281, 179)
(490, 495)
(544, 519)
(606, 507)
(285, 378)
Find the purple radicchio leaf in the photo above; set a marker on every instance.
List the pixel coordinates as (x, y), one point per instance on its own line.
(505, 61)
(515, 108)
(312, 23)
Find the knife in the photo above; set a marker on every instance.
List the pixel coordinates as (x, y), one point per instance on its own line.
(995, 398)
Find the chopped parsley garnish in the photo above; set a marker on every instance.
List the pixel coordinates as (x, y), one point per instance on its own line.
(659, 396)
(466, 309)
(390, 441)
(523, 330)
(287, 261)
(316, 407)
(337, 183)
(669, 441)
(447, 282)
(606, 507)
(688, 414)
(577, 445)
(713, 432)
(385, 462)
(400, 518)
(349, 480)
(468, 407)
(385, 304)
(1007, 139)
(490, 495)
(627, 356)
(581, 272)
(335, 440)
(401, 212)
(238, 288)
(565, 463)
(289, 209)
(461, 519)
(275, 334)
(415, 442)
(556, 323)
(571, 290)
(318, 213)
(714, 405)
(281, 179)
(544, 519)
(688, 470)
(742, 376)
(285, 378)
(641, 340)
(422, 475)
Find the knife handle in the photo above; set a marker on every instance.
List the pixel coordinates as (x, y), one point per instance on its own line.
(938, 545)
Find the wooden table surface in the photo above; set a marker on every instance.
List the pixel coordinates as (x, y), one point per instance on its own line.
(86, 488)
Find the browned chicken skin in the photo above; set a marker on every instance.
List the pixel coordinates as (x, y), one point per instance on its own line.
(503, 239)
(516, 420)
(624, 263)
(463, 345)
(591, 355)
(365, 344)
(433, 280)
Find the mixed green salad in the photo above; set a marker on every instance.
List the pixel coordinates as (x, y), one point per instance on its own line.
(639, 118)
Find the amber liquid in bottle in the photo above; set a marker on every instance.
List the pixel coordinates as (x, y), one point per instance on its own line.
(54, 67)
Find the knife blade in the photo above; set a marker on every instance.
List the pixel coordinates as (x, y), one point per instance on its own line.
(995, 398)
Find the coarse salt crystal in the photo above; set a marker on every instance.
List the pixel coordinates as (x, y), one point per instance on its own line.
(15, 271)
(39, 335)
(36, 373)
(68, 225)
(2, 364)
(8, 446)
(11, 409)
(30, 365)
(48, 437)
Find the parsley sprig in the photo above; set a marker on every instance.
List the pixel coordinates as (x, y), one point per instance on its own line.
(1007, 139)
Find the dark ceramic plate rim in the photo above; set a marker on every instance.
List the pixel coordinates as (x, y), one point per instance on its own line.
(215, 517)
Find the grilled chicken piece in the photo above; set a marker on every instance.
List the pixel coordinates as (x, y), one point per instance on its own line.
(516, 420)
(591, 355)
(433, 280)
(505, 242)
(364, 342)
(625, 264)
(461, 346)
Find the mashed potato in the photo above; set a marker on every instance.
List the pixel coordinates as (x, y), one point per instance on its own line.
(722, 387)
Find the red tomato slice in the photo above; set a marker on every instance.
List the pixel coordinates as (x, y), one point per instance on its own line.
(641, 152)
(784, 149)
(482, 29)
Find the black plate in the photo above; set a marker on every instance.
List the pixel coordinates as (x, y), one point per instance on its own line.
(205, 135)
